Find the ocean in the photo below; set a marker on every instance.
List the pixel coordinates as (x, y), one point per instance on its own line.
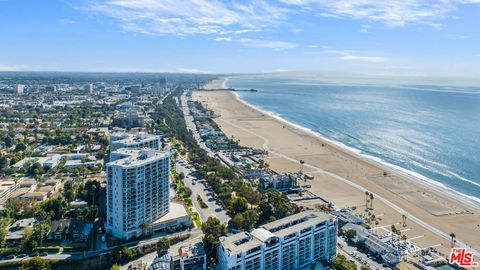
(428, 128)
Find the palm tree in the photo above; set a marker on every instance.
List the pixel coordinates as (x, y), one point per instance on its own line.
(404, 220)
(366, 199)
(301, 165)
(452, 244)
(376, 225)
(371, 200)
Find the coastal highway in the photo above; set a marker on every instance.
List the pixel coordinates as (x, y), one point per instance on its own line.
(362, 189)
(198, 188)
(191, 125)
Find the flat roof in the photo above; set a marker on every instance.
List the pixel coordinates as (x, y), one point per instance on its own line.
(135, 157)
(129, 138)
(176, 211)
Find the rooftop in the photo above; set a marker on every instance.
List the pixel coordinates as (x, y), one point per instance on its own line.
(176, 211)
(136, 157)
(129, 138)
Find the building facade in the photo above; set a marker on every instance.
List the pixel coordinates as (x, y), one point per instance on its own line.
(137, 191)
(19, 89)
(294, 242)
(130, 118)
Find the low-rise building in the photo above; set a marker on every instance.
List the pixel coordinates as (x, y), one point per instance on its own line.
(278, 181)
(345, 216)
(78, 204)
(177, 217)
(58, 230)
(191, 257)
(17, 230)
(98, 132)
(294, 242)
(7, 188)
(73, 164)
(373, 244)
(38, 196)
(48, 162)
(74, 231)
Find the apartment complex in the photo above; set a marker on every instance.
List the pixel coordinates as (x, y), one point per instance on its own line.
(130, 118)
(137, 190)
(19, 89)
(294, 242)
(134, 141)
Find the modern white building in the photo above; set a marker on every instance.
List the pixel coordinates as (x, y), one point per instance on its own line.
(88, 88)
(19, 89)
(134, 141)
(137, 191)
(294, 242)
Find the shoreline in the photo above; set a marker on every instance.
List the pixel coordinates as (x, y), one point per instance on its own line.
(342, 174)
(414, 177)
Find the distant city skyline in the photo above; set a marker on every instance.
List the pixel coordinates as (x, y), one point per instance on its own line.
(426, 38)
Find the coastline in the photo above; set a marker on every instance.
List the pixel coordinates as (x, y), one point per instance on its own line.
(426, 203)
(416, 178)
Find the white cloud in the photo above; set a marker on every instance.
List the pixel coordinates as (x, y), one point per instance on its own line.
(192, 71)
(394, 13)
(338, 52)
(456, 36)
(237, 17)
(260, 43)
(362, 58)
(12, 68)
(349, 55)
(365, 28)
(189, 16)
(223, 39)
(271, 44)
(66, 21)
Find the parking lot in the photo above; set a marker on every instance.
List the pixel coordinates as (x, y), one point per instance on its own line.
(200, 188)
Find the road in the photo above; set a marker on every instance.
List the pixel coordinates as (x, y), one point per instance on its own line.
(194, 233)
(347, 250)
(191, 125)
(199, 188)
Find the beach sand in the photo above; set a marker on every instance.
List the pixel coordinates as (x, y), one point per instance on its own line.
(342, 177)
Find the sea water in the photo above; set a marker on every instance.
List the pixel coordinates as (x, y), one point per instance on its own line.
(429, 128)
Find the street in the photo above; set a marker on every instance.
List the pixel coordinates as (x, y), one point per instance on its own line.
(359, 258)
(191, 125)
(207, 195)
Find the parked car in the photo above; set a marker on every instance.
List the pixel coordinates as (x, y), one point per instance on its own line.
(21, 256)
(43, 254)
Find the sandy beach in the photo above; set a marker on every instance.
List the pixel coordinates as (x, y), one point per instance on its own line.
(342, 177)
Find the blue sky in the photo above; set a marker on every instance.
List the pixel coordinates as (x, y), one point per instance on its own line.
(399, 37)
